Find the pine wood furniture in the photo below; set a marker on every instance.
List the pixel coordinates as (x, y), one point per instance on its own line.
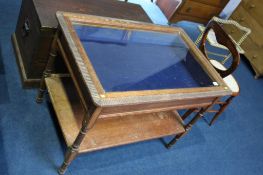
(37, 24)
(200, 11)
(126, 80)
(249, 13)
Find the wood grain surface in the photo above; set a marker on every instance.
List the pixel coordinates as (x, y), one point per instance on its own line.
(107, 132)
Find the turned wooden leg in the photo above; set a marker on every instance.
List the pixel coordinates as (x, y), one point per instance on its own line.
(46, 73)
(190, 124)
(221, 110)
(176, 138)
(48, 70)
(42, 89)
(187, 128)
(72, 151)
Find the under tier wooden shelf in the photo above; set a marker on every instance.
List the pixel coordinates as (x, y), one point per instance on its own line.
(107, 132)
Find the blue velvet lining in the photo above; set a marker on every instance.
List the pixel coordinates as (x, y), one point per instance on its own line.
(140, 60)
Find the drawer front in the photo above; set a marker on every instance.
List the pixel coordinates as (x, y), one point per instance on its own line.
(255, 9)
(233, 31)
(218, 3)
(200, 10)
(181, 17)
(253, 45)
(255, 58)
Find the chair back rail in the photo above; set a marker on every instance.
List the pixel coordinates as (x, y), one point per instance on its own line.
(223, 39)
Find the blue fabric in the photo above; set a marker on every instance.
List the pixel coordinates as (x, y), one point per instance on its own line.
(30, 143)
(139, 60)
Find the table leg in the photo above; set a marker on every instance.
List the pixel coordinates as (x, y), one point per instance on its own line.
(73, 150)
(187, 128)
(190, 124)
(48, 70)
(221, 110)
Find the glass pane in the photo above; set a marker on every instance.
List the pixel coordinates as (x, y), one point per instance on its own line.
(128, 60)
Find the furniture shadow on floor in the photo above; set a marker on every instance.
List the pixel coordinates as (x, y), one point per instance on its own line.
(4, 96)
(2, 70)
(209, 116)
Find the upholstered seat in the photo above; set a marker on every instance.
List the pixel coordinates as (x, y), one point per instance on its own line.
(229, 80)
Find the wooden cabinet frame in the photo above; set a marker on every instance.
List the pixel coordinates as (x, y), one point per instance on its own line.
(92, 119)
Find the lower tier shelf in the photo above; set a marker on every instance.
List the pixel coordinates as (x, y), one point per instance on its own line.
(107, 132)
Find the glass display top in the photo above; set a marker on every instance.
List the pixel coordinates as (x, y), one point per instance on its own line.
(134, 60)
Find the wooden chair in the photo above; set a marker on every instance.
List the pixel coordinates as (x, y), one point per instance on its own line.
(224, 39)
(225, 73)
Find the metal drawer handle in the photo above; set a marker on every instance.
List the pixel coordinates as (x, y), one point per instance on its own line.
(252, 6)
(26, 28)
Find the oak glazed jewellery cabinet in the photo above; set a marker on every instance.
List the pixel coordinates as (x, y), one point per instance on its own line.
(126, 80)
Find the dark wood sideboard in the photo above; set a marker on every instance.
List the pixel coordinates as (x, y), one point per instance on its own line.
(191, 10)
(37, 24)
